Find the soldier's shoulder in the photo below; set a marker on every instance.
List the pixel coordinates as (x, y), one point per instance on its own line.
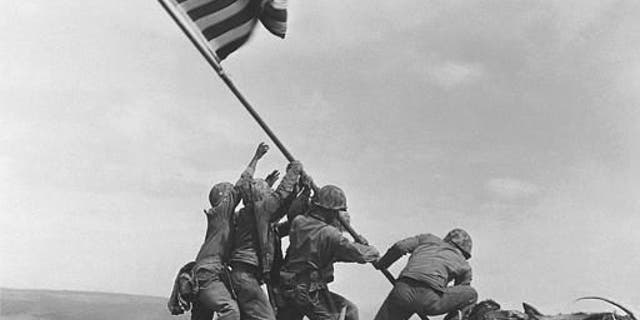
(331, 232)
(428, 238)
(299, 219)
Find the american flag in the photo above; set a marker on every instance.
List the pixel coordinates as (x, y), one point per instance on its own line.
(227, 24)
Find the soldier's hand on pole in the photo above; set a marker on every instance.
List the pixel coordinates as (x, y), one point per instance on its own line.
(306, 180)
(295, 167)
(261, 150)
(363, 240)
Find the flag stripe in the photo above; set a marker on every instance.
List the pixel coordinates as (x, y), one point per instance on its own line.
(275, 20)
(208, 8)
(248, 13)
(237, 36)
(231, 47)
(217, 17)
(278, 4)
(189, 5)
(274, 13)
(233, 35)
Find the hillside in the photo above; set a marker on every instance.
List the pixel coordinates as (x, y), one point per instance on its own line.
(71, 305)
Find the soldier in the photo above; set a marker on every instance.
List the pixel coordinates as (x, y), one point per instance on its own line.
(254, 243)
(315, 244)
(422, 285)
(207, 282)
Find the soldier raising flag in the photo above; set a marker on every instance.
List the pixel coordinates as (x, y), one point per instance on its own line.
(316, 240)
(254, 249)
(315, 244)
(422, 285)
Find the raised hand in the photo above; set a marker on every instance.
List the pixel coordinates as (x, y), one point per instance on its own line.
(272, 177)
(261, 150)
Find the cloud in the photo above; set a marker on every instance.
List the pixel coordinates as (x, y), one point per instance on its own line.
(511, 189)
(450, 74)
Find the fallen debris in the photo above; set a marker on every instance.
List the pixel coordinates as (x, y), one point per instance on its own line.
(491, 310)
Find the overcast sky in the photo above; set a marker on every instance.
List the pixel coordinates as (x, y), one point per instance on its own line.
(516, 120)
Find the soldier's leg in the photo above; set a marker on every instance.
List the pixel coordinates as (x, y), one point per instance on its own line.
(399, 303)
(317, 305)
(200, 313)
(341, 303)
(289, 312)
(252, 300)
(454, 299)
(215, 297)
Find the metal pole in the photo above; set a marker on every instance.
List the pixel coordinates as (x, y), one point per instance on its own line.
(213, 62)
(385, 272)
(356, 238)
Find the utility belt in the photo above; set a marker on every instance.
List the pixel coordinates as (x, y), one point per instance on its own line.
(305, 288)
(201, 277)
(312, 279)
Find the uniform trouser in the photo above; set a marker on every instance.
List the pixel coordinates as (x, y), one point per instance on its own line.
(409, 296)
(317, 305)
(252, 300)
(214, 297)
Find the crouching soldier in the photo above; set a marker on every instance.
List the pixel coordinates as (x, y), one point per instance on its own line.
(205, 283)
(254, 243)
(422, 285)
(315, 244)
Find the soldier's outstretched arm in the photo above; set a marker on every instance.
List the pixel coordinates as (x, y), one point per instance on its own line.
(261, 150)
(307, 181)
(273, 202)
(290, 179)
(246, 178)
(399, 249)
(348, 251)
(300, 204)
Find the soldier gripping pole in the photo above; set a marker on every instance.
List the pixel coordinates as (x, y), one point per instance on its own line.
(214, 62)
(385, 272)
(357, 239)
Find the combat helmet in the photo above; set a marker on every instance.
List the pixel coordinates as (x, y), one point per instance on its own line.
(331, 197)
(461, 239)
(219, 191)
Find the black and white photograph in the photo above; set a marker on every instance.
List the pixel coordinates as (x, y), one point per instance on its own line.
(321, 160)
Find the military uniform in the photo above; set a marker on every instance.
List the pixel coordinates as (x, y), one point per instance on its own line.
(422, 285)
(255, 240)
(210, 270)
(314, 246)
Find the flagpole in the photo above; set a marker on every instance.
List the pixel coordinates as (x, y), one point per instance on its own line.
(214, 62)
